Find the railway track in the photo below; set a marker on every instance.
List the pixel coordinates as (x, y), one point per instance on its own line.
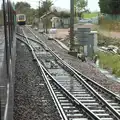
(76, 96)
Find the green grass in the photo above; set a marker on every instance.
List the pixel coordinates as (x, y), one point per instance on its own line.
(90, 15)
(110, 61)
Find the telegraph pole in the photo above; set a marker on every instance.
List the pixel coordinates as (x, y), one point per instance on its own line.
(39, 14)
(46, 15)
(39, 11)
(71, 24)
(6, 38)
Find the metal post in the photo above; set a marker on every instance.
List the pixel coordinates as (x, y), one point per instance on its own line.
(9, 25)
(71, 24)
(46, 15)
(6, 38)
(39, 14)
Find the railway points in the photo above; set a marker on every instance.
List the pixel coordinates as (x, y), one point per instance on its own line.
(53, 66)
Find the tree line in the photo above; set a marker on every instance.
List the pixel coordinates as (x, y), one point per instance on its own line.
(24, 7)
(106, 6)
(109, 6)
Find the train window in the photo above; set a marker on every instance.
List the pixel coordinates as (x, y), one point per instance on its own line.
(21, 17)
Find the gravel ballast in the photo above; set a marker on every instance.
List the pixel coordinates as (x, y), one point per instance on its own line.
(32, 100)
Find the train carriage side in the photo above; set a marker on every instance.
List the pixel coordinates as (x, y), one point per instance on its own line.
(7, 60)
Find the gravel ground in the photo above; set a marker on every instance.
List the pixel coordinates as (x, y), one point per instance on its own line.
(85, 67)
(32, 100)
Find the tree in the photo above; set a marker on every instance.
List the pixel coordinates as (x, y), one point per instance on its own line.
(25, 8)
(64, 14)
(81, 5)
(44, 8)
(109, 6)
(104, 6)
(21, 7)
(46, 5)
(114, 6)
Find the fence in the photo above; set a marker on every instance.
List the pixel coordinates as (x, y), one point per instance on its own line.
(111, 17)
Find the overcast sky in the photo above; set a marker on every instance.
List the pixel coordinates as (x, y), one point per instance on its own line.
(92, 4)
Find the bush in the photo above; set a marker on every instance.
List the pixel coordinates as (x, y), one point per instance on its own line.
(110, 61)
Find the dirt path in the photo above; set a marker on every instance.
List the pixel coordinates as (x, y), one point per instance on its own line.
(62, 33)
(110, 34)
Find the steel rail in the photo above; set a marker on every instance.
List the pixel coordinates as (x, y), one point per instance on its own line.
(79, 78)
(45, 78)
(39, 43)
(81, 74)
(73, 99)
(95, 83)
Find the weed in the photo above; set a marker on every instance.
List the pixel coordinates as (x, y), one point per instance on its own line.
(110, 61)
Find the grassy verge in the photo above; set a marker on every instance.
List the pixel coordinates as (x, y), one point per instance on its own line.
(110, 25)
(105, 37)
(111, 62)
(90, 15)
